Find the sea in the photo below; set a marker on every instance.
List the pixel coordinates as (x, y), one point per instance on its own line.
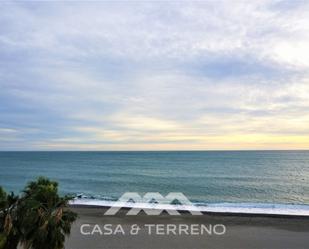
(260, 179)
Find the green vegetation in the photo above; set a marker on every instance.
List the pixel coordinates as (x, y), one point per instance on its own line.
(37, 219)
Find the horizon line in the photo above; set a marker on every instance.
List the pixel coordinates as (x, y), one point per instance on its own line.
(218, 150)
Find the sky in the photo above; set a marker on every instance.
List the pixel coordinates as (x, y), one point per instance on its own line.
(215, 75)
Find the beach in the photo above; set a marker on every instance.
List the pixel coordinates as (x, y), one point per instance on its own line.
(260, 197)
(242, 231)
(161, 124)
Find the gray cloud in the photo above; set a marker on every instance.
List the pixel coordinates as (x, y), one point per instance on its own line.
(84, 75)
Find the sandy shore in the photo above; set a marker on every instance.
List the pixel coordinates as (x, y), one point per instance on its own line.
(186, 231)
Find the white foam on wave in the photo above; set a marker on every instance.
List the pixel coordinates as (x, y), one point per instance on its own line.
(225, 208)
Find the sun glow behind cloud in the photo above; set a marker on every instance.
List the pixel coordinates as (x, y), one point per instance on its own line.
(154, 76)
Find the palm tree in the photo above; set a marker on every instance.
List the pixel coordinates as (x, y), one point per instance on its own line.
(39, 219)
(10, 233)
(47, 220)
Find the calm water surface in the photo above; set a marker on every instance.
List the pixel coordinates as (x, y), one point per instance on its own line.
(211, 177)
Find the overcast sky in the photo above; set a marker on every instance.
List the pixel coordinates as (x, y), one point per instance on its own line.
(154, 75)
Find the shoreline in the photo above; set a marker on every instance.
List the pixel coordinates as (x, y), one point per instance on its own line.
(241, 209)
(223, 214)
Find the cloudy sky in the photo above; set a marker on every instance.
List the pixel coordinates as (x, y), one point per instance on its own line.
(154, 75)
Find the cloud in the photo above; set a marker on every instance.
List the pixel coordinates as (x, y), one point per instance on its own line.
(201, 75)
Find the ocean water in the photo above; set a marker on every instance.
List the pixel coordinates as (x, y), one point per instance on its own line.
(264, 177)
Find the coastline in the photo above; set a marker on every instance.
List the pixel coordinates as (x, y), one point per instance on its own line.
(242, 231)
(240, 209)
